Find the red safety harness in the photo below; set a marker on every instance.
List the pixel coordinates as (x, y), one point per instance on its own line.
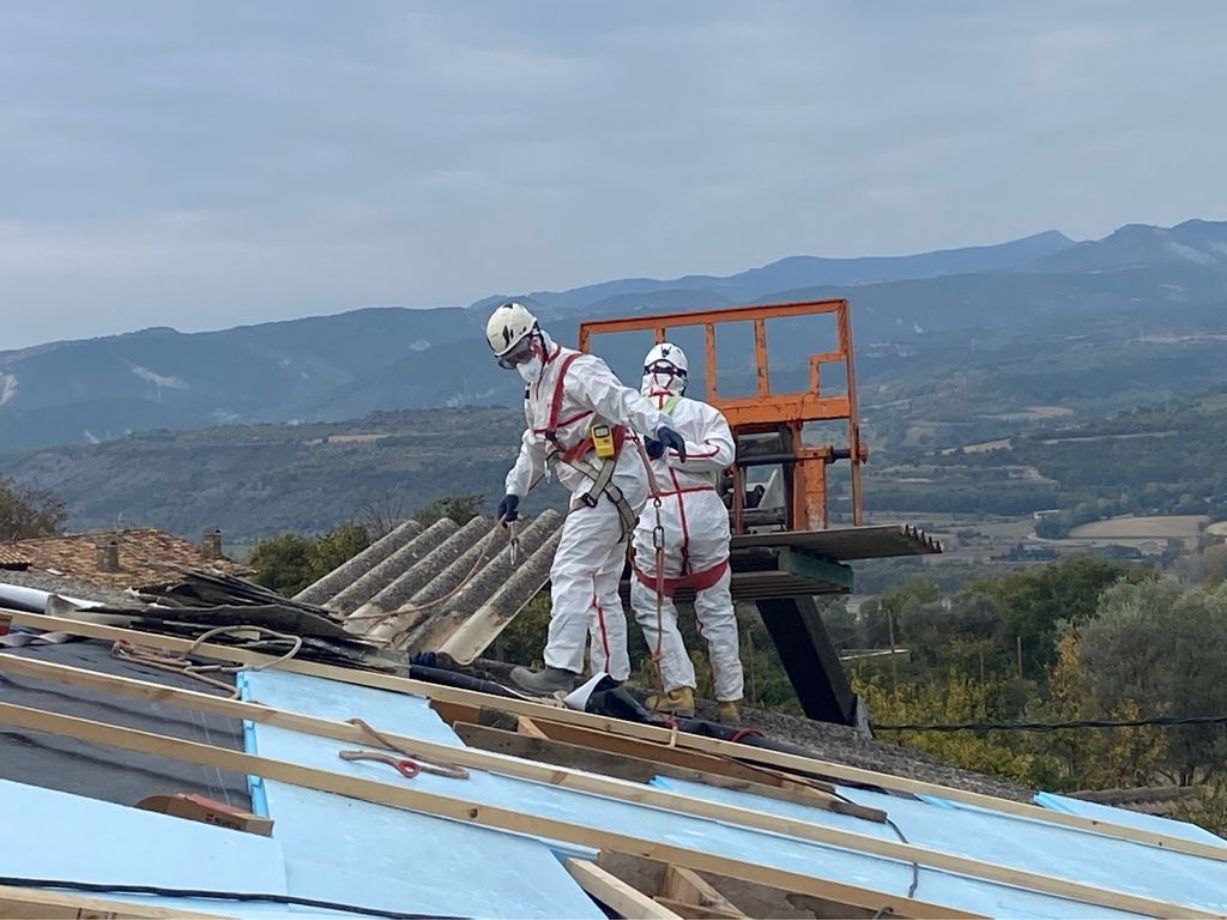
(696, 581)
(582, 447)
(601, 471)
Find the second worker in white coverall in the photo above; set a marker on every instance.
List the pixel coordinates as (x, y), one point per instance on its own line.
(578, 415)
(695, 526)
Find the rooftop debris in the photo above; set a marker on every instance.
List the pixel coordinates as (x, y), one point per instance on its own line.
(365, 720)
(735, 829)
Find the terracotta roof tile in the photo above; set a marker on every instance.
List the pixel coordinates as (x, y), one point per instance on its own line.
(144, 557)
(12, 557)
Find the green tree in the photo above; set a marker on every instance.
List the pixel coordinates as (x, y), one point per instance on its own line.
(338, 546)
(960, 633)
(1092, 758)
(523, 641)
(873, 626)
(1033, 604)
(26, 511)
(841, 623)
(283, 563)
(289, 562)
(1160, 647)
(460, 508)
(948, 698)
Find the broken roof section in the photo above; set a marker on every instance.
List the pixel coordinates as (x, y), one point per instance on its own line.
(446, 587)
(136, 558)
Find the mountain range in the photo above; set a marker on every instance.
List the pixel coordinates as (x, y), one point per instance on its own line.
(1143, 279)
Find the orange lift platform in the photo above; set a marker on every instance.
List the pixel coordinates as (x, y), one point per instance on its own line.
(785, 551)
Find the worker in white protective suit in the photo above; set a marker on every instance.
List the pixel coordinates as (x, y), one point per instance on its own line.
(580, 421)
(695, 554)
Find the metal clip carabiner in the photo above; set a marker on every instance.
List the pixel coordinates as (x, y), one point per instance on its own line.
(513, 543)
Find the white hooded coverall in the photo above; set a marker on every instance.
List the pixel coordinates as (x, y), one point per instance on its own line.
(592, 552)
(696, 532)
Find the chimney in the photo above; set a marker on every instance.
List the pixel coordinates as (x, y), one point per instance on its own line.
(211, 547)
(108, 556)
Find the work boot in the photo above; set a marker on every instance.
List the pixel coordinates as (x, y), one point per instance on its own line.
(544, 683)
(728, 713)
(678, 702)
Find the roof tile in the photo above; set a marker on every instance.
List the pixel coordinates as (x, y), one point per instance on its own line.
(145, 555)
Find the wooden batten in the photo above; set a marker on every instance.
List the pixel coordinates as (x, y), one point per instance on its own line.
(479, 814)
(637, 770)
(545, 716)
(681, 886)
(460, 809)
(624, 900)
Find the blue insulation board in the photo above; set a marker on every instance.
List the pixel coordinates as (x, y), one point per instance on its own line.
(47, 834)
(389, 858)
(412, 716)
(1019, 843)
(1155, 823)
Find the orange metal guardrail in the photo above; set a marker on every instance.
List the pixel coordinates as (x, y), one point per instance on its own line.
(769, 411)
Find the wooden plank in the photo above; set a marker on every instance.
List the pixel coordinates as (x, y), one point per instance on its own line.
(714, 771)
(615, 894)
(43, 904)
(526, 726)
(689, 887)
(696, 911)
(343, 731)
(753, 900)
(633, 747)
(475, 813)
(663, 737)
(159, 745)
(637, 770)
(543, 750)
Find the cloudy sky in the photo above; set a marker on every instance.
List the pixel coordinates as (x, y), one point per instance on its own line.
(206, 164)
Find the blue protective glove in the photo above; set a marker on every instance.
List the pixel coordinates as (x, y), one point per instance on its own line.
(655, 449)
(507, 508)
(671, 440)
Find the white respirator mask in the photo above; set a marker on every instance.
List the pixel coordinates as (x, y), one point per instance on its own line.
(530, 370)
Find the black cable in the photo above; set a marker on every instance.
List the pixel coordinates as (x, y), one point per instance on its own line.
(911, 891)
(1054, 726)
(106, 887)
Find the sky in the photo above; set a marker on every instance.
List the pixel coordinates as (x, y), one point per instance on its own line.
(209, 164)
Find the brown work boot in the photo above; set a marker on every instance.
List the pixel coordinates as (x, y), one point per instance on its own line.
(728, 712)
(679, 702)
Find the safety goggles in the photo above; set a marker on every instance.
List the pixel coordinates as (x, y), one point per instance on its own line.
(666, 369)
(520, 353)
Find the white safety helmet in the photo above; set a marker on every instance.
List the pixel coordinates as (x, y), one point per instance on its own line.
(665, 369)
(509, 332)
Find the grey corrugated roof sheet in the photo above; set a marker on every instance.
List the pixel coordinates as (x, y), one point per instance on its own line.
(445, 587)
(452, 589)
(846, 544)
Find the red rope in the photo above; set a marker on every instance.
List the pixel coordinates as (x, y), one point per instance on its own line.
(746, 733)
